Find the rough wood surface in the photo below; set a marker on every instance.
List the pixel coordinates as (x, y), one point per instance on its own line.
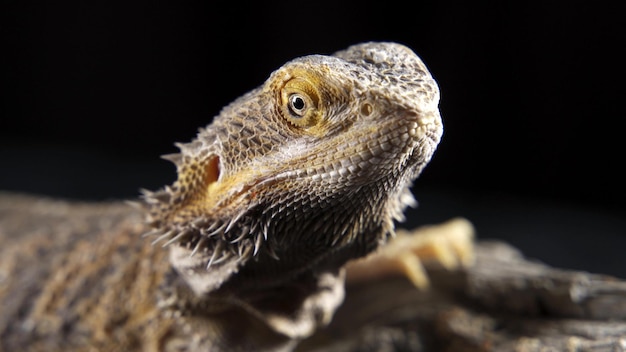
(504, 302)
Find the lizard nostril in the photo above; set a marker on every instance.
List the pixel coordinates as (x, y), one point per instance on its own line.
(366, 109)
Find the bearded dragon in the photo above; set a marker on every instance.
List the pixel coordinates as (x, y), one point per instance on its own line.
(247, 249)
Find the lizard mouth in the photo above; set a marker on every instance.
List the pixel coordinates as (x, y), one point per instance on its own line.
(216, 189)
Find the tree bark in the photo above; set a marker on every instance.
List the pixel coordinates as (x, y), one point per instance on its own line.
(504, 302)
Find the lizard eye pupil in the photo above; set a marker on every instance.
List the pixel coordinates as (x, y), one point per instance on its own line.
(297, 104)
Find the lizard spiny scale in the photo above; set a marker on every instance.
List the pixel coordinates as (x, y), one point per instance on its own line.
(287, 184)
(260, 183)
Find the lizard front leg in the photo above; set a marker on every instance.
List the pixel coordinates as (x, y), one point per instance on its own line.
(449, 244)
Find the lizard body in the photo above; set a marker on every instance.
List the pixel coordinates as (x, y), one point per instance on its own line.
(246, 249)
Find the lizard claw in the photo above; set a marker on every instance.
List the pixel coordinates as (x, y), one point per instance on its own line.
(449, 245)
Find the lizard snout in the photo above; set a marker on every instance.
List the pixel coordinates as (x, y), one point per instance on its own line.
(428, 118)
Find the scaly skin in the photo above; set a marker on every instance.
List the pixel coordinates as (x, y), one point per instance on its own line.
(288, 183)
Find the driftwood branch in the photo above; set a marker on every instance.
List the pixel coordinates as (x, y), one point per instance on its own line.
(502, 303)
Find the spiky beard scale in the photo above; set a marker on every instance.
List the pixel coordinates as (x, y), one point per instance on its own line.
(363, 218)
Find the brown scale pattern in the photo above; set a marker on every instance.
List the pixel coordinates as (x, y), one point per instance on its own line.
(288, 183)
(95, 279)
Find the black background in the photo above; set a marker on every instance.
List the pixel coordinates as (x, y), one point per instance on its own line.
(532, 101)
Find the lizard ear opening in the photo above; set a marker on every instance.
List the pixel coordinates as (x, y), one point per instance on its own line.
(212, 170)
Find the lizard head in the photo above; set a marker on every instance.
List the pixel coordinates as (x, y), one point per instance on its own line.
(318, 160)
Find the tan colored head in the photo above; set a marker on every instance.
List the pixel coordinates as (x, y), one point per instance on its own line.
(317, 160)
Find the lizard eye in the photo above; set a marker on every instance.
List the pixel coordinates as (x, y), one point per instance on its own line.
(297, 105)
(299, 102)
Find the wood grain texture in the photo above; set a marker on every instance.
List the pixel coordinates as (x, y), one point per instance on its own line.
(504, 302)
